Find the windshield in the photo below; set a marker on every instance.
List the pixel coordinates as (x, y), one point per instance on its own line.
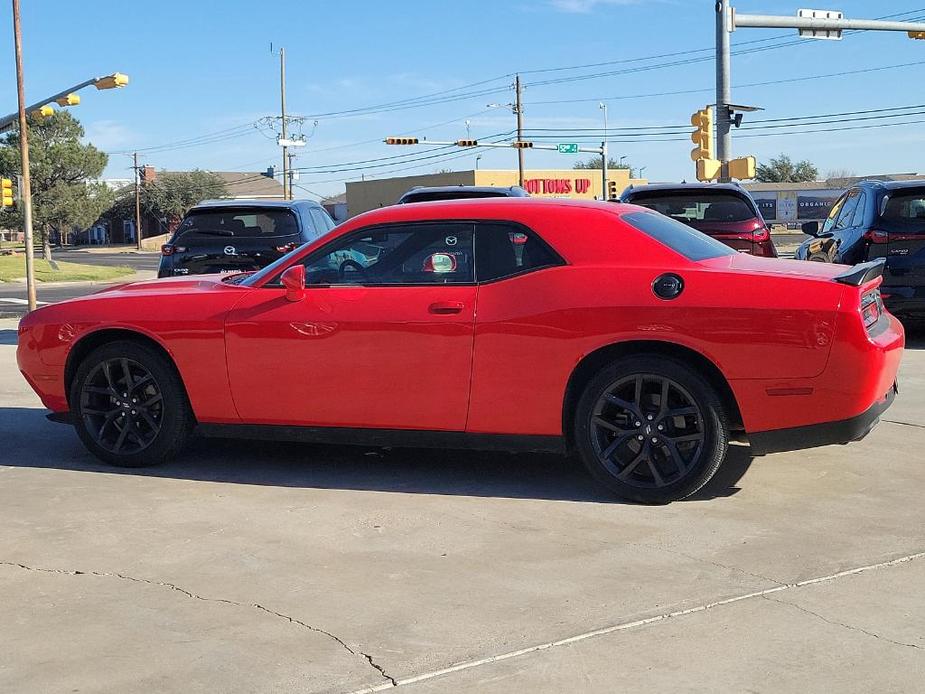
(238, 223)
(679, 237)
(697, 206)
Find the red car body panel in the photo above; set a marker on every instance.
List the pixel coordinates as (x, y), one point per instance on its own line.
(786, 337)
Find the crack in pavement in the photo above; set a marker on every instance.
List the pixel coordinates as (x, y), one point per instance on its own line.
(292, 620)
(626, 626)
(842, 624)
(903, 424)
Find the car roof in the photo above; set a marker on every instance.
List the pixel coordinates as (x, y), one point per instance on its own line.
(254, 202)
(516, 191)
(890, 185)
(669, 187)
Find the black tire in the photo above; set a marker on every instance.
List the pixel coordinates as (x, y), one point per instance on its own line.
(628, 452)
(102, 406)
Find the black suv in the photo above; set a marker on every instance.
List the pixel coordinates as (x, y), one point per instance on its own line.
(240, 235)
(429, 193)
(878, 219)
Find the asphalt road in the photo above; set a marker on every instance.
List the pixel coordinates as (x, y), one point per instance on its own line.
(247, 567)
(13, 294)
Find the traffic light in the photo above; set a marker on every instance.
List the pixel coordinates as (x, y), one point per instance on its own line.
(69, 100)
(709, 169)
(6, 193)
(522, 144)
(43, 112)
(917, 35)
(612, 190)
(401, 141)
(742, 168)
(467, 143)
(703, 135)
(113, 81)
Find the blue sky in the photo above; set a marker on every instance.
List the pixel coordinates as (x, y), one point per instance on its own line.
(199, 68)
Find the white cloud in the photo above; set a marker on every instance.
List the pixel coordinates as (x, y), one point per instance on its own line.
(585, 6)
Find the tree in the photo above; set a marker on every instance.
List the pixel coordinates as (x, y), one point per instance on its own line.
(595, 163)
(169, 195)
(62, 169)
(781, 170)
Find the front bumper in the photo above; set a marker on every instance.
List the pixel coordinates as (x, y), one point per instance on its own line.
(824, 434)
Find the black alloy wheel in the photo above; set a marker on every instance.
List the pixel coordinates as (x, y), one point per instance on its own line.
(121, 406)
(647, 430)
(129, 405)
(651, 429)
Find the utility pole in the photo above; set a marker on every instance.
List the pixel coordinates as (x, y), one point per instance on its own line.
(137, 200)
(519, 111)
(282, 110)
(291, 173)
(723, 88)
(603, 107)
(25, 190)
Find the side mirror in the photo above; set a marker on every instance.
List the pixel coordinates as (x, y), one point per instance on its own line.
(811, 228)
(293, 280)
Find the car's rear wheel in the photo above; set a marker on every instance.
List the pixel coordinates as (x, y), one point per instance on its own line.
(129, 405)
(651, 429)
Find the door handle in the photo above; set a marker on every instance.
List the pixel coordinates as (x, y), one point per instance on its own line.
(446, 307)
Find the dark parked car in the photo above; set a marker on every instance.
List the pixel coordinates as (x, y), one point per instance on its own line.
(240, 235)
(878, 219)
(429, 193)
(724, 211)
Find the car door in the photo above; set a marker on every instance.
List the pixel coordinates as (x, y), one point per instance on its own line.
(841, 231)
(382, 338)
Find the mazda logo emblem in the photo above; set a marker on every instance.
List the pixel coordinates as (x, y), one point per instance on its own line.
(230, 250)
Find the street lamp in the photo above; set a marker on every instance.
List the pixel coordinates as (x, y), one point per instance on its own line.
(477, 162)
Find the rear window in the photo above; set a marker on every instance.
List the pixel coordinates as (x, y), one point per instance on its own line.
(241, 223)
(679, 237)
(905, 207)
(701, 206)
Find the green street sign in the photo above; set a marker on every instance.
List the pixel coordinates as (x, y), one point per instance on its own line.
(568, 148)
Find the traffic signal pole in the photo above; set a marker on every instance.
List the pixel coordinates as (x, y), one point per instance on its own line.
(723, 88)
(26, 188)
(812, 24)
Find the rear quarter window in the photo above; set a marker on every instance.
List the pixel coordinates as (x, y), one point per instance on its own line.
(679, 237)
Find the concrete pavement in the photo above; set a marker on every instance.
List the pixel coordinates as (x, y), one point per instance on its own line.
(253, 567)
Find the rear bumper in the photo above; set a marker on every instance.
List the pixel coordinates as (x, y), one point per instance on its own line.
(904, 301)
(824, 434)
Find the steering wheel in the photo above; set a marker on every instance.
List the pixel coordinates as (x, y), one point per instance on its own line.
(351, 267)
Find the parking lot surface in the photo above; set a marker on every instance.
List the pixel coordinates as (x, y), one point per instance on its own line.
(248, 567)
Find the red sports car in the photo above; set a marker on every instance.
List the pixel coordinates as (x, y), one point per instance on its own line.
(605, 329)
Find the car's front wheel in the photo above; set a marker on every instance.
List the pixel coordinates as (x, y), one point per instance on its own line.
(651, 429)
(129, 405)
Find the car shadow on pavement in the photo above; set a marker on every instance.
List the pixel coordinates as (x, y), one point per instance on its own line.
(410, 471)
(915, 335)
(8, 337)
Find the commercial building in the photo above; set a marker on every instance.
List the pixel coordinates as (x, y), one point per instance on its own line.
(582, 184)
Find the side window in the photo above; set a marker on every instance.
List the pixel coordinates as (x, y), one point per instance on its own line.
(860, 212)
(833, 214)
(502, 250)
(318, 225)
(847, 211)
(414, 254)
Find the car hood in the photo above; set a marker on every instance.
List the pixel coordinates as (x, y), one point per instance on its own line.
(168, 285)
(741, 262)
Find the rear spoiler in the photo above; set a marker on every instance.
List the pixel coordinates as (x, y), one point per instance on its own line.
(862, 274)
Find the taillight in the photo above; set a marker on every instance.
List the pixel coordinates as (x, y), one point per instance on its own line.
(167, 249)
(285, 249)
(761, 234)
(877, 236)
(871, 308)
